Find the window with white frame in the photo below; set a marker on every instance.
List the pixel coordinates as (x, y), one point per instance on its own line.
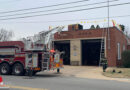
(118, 51)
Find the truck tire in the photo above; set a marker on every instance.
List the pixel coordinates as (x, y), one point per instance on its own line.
(18, 69)
(5, 69)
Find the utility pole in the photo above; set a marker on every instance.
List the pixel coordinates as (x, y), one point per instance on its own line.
(109, 43)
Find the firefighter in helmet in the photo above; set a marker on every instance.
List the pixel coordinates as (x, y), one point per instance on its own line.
(104, 64)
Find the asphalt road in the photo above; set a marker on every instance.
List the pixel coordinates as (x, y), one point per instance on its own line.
(59, 82)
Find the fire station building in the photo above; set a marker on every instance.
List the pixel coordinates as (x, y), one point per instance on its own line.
(83, 46)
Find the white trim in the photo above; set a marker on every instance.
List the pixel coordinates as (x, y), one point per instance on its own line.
(79, 39)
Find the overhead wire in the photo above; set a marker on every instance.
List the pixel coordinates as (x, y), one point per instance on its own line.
(34, 8)
(121, 16)
(10, 1)
(56, 9)
(65, 11)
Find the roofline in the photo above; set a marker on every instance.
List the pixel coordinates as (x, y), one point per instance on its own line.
(91, 29)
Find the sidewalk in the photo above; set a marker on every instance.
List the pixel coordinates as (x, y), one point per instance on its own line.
(93, 72)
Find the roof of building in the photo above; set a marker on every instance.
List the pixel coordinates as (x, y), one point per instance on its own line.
(12, 43)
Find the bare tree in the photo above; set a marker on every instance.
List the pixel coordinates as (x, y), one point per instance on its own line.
(5, 35)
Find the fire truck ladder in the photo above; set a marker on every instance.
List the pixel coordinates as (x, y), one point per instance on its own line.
(102, 50)
(46, 61)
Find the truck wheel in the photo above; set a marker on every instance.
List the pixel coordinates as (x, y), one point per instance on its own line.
(18, 69)
(5, 69)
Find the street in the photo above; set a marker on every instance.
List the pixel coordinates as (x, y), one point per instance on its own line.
(64, 45)
(54, 81)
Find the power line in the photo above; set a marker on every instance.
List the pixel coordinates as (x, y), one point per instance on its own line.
(122, 16)
(44, 6)
(8, 1)
(11, 1)
(66, 11)
(56, 9)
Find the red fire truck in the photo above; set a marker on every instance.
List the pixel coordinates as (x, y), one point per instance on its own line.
(16, 57)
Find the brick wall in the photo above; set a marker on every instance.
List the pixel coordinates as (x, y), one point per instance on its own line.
(120, 38)
(116, 36)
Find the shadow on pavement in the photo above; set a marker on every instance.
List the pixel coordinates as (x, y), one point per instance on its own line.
(38, 75)
(50, 75)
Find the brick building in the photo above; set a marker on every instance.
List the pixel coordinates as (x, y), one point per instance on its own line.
(82, 47)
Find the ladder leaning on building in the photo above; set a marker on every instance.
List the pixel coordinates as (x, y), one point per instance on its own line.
(102, 50)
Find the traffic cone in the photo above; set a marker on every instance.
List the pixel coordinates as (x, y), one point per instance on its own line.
(2, 86)
(1, 81)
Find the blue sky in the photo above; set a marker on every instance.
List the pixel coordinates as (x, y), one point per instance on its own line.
(22, 28)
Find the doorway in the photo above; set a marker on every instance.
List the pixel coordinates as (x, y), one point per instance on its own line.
(65, 47)
(91, 52)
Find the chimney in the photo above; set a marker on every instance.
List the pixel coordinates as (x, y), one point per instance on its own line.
(75, 27)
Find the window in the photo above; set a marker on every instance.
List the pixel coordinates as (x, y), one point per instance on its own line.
(119, 51)
(18, 51)
(124, 47)
(29, 55)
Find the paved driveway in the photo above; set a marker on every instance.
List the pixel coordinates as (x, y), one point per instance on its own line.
(92, 72)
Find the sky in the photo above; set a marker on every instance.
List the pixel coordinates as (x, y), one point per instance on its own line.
(29, 26)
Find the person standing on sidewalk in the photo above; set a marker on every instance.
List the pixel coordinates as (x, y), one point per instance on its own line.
(104, 64)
